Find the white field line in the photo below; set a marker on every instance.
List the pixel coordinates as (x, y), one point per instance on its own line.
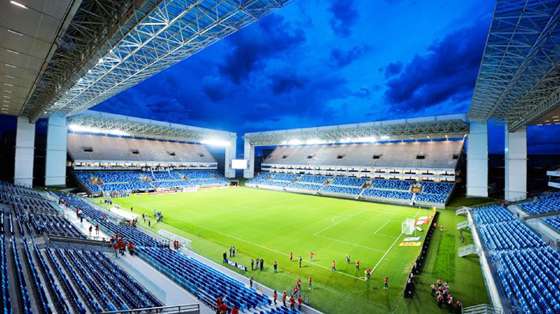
(385, 224)
(392, 245)
(344, 218)
(352, 244)
(387, 252)
(279, 252)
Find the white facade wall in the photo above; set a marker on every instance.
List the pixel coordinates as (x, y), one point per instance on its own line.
(25, 149)
(515, 165)
(55, 161)
(477, 159)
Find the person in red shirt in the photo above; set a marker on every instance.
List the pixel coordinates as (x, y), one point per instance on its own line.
(275, 297)
(223, 309)
(299, 302)
(131, 248)
(292, 302)
(284, 296)
(235, 310)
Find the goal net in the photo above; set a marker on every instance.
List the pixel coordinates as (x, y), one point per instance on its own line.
(407, 226)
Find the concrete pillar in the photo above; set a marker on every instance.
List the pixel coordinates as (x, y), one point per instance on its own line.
(25, 148)
(477, 159)
(249, 155)
(55, 161)
(231, 152)
(515, 165)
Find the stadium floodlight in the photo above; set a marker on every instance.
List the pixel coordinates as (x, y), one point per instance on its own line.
(18, 4)
(315, 141)
(294, 142)
(216, 142)
(89, 129)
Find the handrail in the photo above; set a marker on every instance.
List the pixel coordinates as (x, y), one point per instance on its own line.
(183, 308)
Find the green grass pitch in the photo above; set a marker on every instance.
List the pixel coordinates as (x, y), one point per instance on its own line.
(270, 225)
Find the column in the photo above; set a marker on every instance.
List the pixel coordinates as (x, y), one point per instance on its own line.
(477, 159)
(25, 148)
(249, 155)
(229, 156)
(515, 165)
(55, 161)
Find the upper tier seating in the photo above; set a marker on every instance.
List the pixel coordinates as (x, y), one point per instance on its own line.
(544, 204)
(435, 154)
(99, 148)
(527, 268)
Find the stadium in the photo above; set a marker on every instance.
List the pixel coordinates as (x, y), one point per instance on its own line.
(108, 212)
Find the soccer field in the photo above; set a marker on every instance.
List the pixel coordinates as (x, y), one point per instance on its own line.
(270, 225)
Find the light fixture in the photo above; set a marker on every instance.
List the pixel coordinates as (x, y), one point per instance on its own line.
(15, 32)
(12, 51)
(215, 142)
(17, 4)
(10, 65)
(8, 84)
(6, 96)
(9, 76)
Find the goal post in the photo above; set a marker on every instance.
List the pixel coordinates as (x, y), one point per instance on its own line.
(408, 226)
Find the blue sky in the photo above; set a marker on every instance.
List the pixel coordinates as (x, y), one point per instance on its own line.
(320, 62)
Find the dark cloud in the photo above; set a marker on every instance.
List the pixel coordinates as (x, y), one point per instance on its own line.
(344, 16)
(446, 72)
(284, 83)
(250, 50)
(341, 58)
(393, 69)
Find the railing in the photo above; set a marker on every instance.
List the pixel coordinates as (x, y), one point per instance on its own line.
(462, 211)
(482, 309)
(463, 225)
(467, 250)
(171, 309)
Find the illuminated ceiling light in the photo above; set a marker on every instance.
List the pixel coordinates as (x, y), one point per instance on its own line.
(10, 65)
(12, 51)
(8, 84)
(215, 142)
(15, 32)
(17, 4)
(89, 129)
(9, 76)
(295, 142)
(6, 96)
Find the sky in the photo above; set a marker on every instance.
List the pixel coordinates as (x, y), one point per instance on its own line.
(327, 62)
(324, 62)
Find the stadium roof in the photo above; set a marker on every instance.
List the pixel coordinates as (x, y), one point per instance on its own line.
(107, 123)
(29, 34)
(519, 77)
(158, 34)
(416, 128)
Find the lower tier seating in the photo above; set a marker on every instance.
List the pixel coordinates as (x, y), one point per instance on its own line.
(544, 204)
(431, 193)
(527, 269)
(553, 222)
(204, 282)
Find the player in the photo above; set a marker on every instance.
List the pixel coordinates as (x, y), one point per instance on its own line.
(386, 282)
(291, 256)
(348, 259)
(310, 282)
(300, 260)
(311, 255)
(357, 265)
(333, 265)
